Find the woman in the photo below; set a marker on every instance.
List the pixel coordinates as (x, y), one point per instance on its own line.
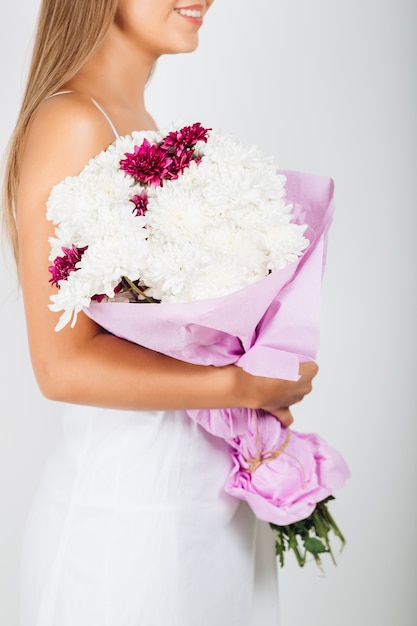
(131, 525)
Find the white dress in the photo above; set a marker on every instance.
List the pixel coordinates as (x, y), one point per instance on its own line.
(131, 527)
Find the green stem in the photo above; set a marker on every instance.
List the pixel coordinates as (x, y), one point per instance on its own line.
(137, 289)
(293, 545)
(332, 523)
(317, 526)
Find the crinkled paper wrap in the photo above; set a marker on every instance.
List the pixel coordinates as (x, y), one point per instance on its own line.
(267, 328)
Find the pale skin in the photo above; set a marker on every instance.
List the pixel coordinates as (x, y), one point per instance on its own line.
(83, 365)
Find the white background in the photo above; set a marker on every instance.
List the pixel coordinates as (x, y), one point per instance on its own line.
(328, 87)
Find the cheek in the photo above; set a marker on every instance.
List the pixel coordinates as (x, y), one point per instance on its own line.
(154, 26)
(136, 14)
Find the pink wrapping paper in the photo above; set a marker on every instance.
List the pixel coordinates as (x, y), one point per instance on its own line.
(267, 328)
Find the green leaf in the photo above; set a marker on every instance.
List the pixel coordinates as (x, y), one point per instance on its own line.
(314, 545)
(308, 536)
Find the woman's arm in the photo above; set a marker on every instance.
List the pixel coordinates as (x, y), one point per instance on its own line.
(83, 365)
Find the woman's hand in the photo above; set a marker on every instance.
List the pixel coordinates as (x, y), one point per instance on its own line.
(275, 396)
(283, 415)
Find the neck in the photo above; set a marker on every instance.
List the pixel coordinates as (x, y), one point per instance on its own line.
(117, 74)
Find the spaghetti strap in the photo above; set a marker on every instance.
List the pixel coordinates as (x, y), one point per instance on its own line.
(58, 93)
(100, 108)
(112, 126)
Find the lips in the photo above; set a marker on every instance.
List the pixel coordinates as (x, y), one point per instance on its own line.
(192, 12)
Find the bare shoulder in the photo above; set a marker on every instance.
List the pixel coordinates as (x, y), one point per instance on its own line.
(66, 131)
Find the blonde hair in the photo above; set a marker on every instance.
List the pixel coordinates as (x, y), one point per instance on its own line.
(68, 33)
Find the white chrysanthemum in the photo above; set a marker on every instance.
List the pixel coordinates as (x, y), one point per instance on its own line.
(90, 206)
(224, 148)
(286, 243)
(176, 215)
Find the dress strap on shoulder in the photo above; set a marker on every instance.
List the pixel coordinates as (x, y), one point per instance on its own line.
(59, 93)
(112, 126)
(100, 108)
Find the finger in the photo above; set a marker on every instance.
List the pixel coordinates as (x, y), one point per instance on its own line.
(308, 369)
(283, 415)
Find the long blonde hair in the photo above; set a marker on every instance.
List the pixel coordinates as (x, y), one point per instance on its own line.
(68, 33)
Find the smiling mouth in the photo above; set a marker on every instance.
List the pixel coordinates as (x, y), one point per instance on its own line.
(193, 13)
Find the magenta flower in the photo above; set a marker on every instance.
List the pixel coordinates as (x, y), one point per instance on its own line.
(148, 164)
(151, 164)
(180, 161)
(186, 137)
(141, 203)
(64, 265)
(180, 146)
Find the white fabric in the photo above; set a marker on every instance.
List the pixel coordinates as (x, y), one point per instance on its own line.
(131, 527)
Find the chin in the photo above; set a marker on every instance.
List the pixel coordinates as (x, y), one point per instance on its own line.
(186, 44)
(191, 48)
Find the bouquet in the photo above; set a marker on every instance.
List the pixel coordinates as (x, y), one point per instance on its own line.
(227, 253)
